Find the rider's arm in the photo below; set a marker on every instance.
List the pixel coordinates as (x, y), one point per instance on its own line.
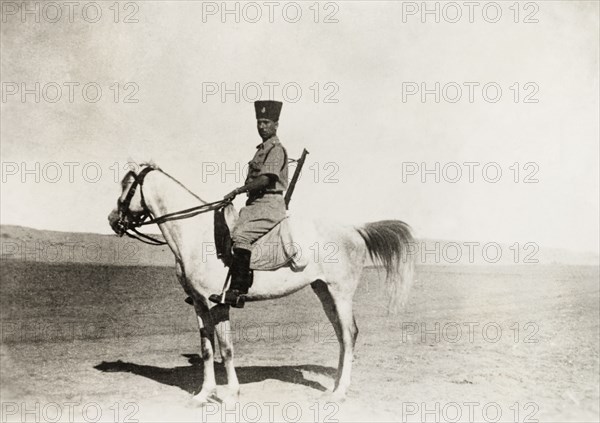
(256, 184)
(268, 173)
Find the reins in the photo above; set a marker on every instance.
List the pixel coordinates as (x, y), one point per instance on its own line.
(187, 213)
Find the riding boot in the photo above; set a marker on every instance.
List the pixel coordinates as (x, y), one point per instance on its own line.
(241, 280)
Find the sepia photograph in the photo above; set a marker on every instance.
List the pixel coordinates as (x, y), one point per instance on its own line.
(299, 211)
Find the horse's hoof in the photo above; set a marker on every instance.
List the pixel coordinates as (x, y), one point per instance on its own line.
(230, 399)
(204, 398)
(335, 397)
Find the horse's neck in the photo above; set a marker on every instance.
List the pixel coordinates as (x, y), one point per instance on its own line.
(164, 195)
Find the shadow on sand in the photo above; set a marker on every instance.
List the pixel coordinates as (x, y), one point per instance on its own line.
(189, 378)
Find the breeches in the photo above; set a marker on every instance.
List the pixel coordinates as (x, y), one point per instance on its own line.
(256, 219)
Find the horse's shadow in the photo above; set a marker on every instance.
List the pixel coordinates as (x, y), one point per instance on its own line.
(189, 378)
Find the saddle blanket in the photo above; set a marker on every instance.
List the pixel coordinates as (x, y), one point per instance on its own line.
(274, 250)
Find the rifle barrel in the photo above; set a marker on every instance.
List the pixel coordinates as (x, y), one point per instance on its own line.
(290, 190)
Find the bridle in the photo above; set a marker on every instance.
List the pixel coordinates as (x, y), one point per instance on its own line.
(129, 221)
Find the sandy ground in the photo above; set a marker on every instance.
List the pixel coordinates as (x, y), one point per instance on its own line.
(106, 343)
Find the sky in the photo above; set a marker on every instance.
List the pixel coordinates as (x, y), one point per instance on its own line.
(352, 98)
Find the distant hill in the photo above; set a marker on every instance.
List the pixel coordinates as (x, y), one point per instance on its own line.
(27, 244)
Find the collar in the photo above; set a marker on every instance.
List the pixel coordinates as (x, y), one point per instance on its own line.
(272, 140)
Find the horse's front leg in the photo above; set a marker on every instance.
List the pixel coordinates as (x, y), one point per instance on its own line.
(220, 315)
(207, 331)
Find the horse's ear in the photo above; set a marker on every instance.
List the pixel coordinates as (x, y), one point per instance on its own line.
(131, 164)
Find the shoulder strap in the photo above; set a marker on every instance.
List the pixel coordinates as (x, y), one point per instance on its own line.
(285, 158)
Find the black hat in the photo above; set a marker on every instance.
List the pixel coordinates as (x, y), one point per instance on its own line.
(268, 109)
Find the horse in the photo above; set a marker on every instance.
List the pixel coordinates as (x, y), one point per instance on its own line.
(149, 191)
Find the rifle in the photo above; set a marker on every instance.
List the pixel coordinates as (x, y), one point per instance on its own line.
(290, 190)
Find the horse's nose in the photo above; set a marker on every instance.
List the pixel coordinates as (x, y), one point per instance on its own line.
(113, 218)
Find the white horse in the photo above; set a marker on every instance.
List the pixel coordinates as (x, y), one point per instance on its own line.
(152, 192)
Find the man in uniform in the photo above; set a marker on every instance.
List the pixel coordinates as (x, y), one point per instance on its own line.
(266, 181)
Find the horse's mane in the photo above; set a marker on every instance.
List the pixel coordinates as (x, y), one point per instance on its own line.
(136, 167)
(154, 166)
(151, 164)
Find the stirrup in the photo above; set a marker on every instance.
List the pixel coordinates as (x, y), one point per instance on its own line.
(232, 298)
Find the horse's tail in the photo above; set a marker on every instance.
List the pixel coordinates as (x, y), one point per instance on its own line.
(389, 244)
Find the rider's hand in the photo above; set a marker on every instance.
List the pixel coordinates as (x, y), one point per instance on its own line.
(231, 195)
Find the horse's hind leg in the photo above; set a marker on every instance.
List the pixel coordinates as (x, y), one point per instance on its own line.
(220, 315)
(320, 288)
(338, 308)
(349, 333)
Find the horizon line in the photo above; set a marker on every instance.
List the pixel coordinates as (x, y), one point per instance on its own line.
(546, 247)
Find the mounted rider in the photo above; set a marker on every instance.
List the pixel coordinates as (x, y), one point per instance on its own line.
(265, 184)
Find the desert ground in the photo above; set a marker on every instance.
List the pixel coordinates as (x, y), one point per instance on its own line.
(84, 342)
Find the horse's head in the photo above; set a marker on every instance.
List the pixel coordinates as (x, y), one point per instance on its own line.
(131, 208)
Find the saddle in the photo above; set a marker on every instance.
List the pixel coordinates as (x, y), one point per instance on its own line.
(272, 251)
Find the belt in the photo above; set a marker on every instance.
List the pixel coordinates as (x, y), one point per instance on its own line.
(255, 194)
